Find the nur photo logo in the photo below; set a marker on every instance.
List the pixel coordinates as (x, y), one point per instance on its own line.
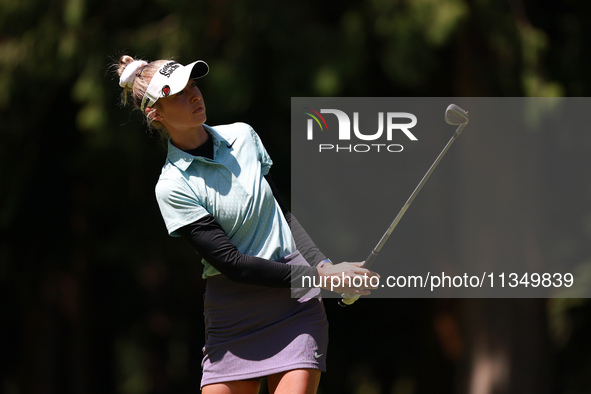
(389, 124)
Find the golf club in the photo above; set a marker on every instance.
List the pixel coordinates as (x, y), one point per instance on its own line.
(454, 115)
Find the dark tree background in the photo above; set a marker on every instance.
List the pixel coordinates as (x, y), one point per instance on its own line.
(96, 298)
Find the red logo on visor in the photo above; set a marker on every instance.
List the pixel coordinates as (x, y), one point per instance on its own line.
(166, 90)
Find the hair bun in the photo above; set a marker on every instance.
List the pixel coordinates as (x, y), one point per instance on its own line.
(124, 61)
(128, 71)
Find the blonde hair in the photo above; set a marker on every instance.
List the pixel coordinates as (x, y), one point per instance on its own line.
(140, 85)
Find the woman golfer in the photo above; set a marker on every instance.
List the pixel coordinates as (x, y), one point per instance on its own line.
(215, 191)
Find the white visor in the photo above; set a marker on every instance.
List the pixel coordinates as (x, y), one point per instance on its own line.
(171, 78)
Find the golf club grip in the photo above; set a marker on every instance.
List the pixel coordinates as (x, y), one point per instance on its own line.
(349, 299)
(370, 259)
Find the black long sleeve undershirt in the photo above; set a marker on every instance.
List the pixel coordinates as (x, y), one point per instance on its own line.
(210, 241)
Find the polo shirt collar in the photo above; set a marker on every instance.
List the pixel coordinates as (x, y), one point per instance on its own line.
(182, 160)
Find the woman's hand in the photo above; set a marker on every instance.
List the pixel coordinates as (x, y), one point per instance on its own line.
(348, 278)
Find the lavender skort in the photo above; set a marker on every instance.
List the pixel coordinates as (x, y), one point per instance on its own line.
(254, 331)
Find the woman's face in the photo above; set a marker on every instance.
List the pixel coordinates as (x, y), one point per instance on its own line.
(184, 111)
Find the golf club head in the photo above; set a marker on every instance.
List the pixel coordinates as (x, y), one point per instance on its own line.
(454, 115)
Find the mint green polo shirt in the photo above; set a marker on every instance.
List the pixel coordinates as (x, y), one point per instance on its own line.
(231, 188)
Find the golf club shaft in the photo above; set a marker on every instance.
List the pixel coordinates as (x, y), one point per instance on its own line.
(349, 299)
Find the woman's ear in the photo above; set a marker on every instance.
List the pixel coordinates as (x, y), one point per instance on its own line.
(153, 114)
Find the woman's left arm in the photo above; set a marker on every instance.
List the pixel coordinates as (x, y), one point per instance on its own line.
(304, 243)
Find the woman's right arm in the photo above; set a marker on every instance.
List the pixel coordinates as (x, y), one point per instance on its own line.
(209, 240)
